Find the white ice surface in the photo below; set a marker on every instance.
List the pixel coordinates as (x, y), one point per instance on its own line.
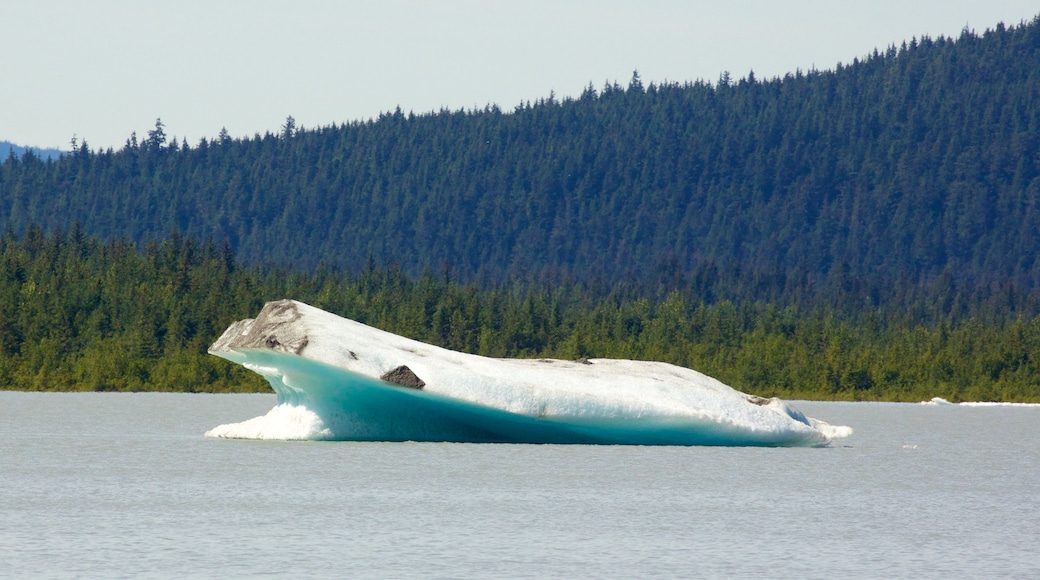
(996, 404)
(942, 401)
(606, 389)
(284, 422)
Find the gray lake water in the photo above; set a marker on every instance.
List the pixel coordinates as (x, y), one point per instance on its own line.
(126, 485)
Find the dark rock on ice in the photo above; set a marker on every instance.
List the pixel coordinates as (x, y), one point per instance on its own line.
(403, 376)
(756, 400)
(274, 328)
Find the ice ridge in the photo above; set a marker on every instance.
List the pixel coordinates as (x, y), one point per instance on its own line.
(339, 379)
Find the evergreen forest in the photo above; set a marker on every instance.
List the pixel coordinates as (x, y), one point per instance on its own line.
(77, 313)
(8, 149)
(865, 232)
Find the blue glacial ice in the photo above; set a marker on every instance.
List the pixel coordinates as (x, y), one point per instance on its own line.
(328, 375)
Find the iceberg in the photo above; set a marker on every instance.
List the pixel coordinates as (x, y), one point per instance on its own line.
(338, 379)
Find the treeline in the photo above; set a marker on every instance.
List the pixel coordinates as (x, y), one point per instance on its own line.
(80, 314)
(8, 149)
(865, 184)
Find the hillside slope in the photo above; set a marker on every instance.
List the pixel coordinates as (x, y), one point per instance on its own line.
(7, 149)
(915, 167)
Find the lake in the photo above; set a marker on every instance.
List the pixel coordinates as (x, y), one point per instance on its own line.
(126, 485)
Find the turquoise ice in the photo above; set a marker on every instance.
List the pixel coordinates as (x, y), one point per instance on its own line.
(325, 371)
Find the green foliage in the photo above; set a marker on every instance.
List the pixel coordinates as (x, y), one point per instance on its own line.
(78, 314)
(913, 170)
(863, 233)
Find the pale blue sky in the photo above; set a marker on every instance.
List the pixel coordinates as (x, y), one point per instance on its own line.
(103, 69)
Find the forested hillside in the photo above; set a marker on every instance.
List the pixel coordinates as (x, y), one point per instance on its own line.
(8, 149)
(77, 313)
(914, 169)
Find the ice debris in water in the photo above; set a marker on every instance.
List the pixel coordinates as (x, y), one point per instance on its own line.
(936, 401)
(339, 379)
(942, 401)
(284, 422)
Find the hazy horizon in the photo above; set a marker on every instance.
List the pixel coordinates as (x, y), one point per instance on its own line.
(101, 71)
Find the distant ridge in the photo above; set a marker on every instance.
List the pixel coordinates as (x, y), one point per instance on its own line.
(6, 148)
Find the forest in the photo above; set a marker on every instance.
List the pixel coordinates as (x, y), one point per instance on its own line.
(865, 232)
(882, 175)
(77, 313)
(8, 149)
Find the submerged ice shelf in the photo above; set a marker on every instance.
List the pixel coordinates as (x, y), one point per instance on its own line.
(339, 379)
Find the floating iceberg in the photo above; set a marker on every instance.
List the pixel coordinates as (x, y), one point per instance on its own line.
(342, 380)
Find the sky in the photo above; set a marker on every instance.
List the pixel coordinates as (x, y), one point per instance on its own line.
(100, 70)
